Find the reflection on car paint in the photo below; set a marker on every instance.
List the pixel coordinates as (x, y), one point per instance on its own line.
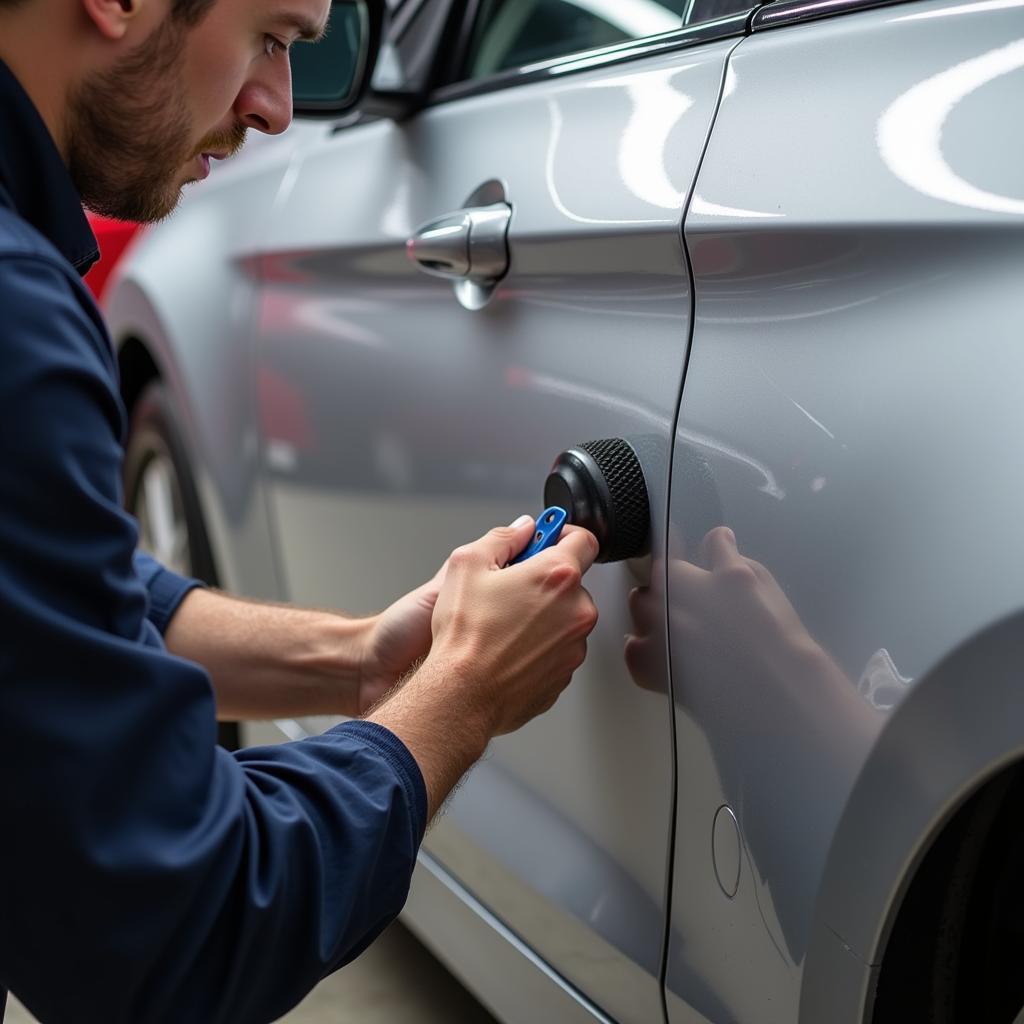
(910, 130)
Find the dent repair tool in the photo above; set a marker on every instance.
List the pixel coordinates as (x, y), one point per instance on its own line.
(600, 486)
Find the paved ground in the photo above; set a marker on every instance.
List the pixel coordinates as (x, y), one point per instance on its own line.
(396, 981)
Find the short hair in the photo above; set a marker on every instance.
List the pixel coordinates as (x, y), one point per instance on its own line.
(190, 12)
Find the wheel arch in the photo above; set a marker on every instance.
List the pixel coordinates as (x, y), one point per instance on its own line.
(137, 368)
(143, 355)
(145, 352)
(140, 363)
(957, 730)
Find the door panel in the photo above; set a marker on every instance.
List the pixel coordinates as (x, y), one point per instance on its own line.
(398, 424)
(852, 412)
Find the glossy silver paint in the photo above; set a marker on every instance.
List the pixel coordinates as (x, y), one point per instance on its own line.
(857, 240)
(506, 975)
(409, 424)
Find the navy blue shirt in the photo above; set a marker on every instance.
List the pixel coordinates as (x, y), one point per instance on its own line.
(146, 875)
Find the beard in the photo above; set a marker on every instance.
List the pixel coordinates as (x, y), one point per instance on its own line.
(130, 133)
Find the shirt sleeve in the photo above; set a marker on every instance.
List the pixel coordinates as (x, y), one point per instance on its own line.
(147, 875)
(166, 589)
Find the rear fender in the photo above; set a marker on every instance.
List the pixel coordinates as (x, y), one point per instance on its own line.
(959, 726)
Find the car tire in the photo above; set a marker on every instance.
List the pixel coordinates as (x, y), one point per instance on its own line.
(160, 491)
(159, 488)
(954, 951)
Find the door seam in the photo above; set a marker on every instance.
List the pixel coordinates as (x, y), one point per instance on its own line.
(674, 815)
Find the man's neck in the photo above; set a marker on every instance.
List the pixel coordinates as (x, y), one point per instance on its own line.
(43, 75)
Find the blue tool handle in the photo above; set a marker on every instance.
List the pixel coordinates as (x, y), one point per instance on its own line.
(549, 526)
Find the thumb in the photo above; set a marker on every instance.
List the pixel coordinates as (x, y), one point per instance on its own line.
(503, 543)
(423, 597)
(427, 592)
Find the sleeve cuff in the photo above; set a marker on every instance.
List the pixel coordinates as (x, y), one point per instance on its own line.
(397, 755)
(166, 589)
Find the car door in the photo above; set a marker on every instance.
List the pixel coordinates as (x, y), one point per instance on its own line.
(850, 412)
(402, 415)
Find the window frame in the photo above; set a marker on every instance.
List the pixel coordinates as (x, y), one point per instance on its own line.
(761, 15)
(463, 70)
(779, 13)
(450, 86)
(445, 84)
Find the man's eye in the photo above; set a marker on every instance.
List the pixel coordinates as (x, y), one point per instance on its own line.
(274, 45)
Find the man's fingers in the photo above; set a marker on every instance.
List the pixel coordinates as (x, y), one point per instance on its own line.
(434, 584)
(718, 550)
(500, 545)
(503, 543)
(580, 545)
(427, 592)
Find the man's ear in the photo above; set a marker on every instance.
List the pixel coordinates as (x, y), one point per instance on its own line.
(111, 17)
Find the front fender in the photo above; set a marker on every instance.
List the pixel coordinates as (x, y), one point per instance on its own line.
(210, 389)
(187, 294)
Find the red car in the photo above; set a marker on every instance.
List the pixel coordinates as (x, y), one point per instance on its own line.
(113, 237)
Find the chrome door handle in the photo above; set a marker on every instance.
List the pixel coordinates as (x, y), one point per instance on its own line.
(469, 247)
(442, 246)
(470, 243)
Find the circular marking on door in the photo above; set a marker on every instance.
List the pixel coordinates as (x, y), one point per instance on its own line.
(725, 850)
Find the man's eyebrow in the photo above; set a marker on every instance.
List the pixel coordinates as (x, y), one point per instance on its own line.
(309, 31)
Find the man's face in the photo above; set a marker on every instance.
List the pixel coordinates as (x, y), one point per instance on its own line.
(148, 125)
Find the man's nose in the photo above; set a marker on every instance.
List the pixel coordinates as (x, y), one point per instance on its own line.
(265, 102)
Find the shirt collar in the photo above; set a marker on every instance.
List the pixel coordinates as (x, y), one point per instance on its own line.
(35, 179)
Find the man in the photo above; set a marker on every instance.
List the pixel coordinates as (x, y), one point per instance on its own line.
(145, 874)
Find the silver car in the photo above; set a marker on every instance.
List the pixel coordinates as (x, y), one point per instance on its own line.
(779, 251)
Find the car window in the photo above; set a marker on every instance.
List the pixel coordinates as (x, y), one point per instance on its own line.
(708, 10)
(407, 55)
(515, 33)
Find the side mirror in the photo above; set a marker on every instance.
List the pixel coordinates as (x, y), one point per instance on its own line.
(331, 76)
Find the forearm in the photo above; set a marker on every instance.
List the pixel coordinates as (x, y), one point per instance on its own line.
(271, 661)
(444, 736)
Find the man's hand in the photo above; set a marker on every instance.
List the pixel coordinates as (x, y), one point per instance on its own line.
(399, 637)
(506, 642)
(521, 631)
(503, 643)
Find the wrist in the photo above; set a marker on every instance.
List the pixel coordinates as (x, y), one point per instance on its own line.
(455, 676)
(360, 638)
(431, 717)
(437, 701)
(332, 659)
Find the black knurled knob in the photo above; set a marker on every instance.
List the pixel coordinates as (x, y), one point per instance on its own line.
(601, 486)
